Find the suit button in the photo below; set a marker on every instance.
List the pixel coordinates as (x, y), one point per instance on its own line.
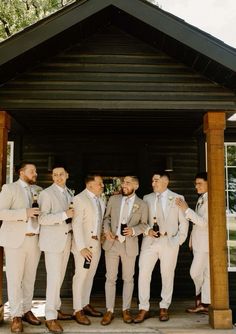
(91, 231)
(66, 233)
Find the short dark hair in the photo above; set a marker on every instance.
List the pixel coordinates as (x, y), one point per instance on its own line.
(22, 165)
(201, 175)
(162, 172)
(134, 178)
(90, 177)
(60, 165)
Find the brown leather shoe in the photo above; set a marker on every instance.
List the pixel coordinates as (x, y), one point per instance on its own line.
(141, 316)
(63, 316)
(127, 317)
(53, 326)
(107, 318)
(89, 310)
(202, 308)
(16, 325)
(163, 315)
(31, 318)
(81, 318)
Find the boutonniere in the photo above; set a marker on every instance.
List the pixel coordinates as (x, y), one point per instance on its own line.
(170, 198)
(71, 192)
(135, 208)
(200, 201)
(36, 192)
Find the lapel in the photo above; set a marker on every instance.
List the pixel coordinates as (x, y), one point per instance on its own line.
(169, 202)
(134, 208)
(117, 207)
(59, 197)
(22, 194)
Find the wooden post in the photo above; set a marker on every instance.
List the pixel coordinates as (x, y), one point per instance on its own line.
(4, 128)
(220, 316)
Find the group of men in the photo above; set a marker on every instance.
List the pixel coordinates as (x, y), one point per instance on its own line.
(57, 228)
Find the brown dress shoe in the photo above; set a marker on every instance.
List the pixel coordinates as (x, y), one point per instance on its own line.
(201, 308)
(63, 316)
(16, 325)
(81, 318)
(31, 319)
(163, 315)
(127, 317)
(107, 318)
(53, 326)
(89, 310)
(141, 316)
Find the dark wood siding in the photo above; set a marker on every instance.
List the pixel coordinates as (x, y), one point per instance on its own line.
(113, 70)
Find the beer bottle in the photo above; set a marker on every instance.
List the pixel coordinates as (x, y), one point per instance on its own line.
(123, 225)
(35, 202)
(87, 262)
(69, 220)
(155, 227)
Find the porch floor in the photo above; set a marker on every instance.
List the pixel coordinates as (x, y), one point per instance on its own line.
(180, 322)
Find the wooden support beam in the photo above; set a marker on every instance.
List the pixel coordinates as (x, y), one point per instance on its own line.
(4, 128)
(220, 316)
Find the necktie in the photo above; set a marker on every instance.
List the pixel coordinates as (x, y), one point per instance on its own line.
(160, 214)
(159, 205)
(99, 210)
(124, 219)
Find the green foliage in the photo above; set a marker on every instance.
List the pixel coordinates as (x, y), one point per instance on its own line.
(16, 15)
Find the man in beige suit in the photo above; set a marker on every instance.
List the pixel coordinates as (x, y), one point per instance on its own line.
(19, 237)
(199, 244)
(162, 245)
(55, 240)
(87, 228)
(128, 210)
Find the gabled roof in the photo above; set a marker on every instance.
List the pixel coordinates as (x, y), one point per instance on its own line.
(195, 48)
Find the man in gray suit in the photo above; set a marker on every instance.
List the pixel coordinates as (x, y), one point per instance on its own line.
(19, 237)
(55, 240)
(86, 247)
(122, 244)
(162, 245)
(199, 244)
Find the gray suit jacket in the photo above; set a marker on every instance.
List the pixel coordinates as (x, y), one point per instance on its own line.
(137, 220)
(13, 204)
(84, 221)
(53, 229)
(176, 224)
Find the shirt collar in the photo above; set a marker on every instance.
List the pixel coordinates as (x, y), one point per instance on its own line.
(60, 188)
(92, 195)
(24, 184)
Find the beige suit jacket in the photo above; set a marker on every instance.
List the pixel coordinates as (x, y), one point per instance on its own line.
(137, 220)
(84, 221)
(13, 204)
(175, 223)
(53, 229)
(199, 234)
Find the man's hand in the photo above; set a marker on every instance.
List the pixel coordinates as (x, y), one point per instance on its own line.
(128, 231)
(109, 236)
(181, 204)
(70, 213)
(153, 234)
(32, 212)
(87, 254)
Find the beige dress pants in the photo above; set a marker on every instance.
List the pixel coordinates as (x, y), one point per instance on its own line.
(56, 264)
(83, 278)
(21, 267)
(113, 257)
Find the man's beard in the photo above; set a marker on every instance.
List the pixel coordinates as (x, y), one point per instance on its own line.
(29, 181)
(127, 193)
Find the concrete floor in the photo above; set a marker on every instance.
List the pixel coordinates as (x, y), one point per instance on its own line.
(180, 322)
